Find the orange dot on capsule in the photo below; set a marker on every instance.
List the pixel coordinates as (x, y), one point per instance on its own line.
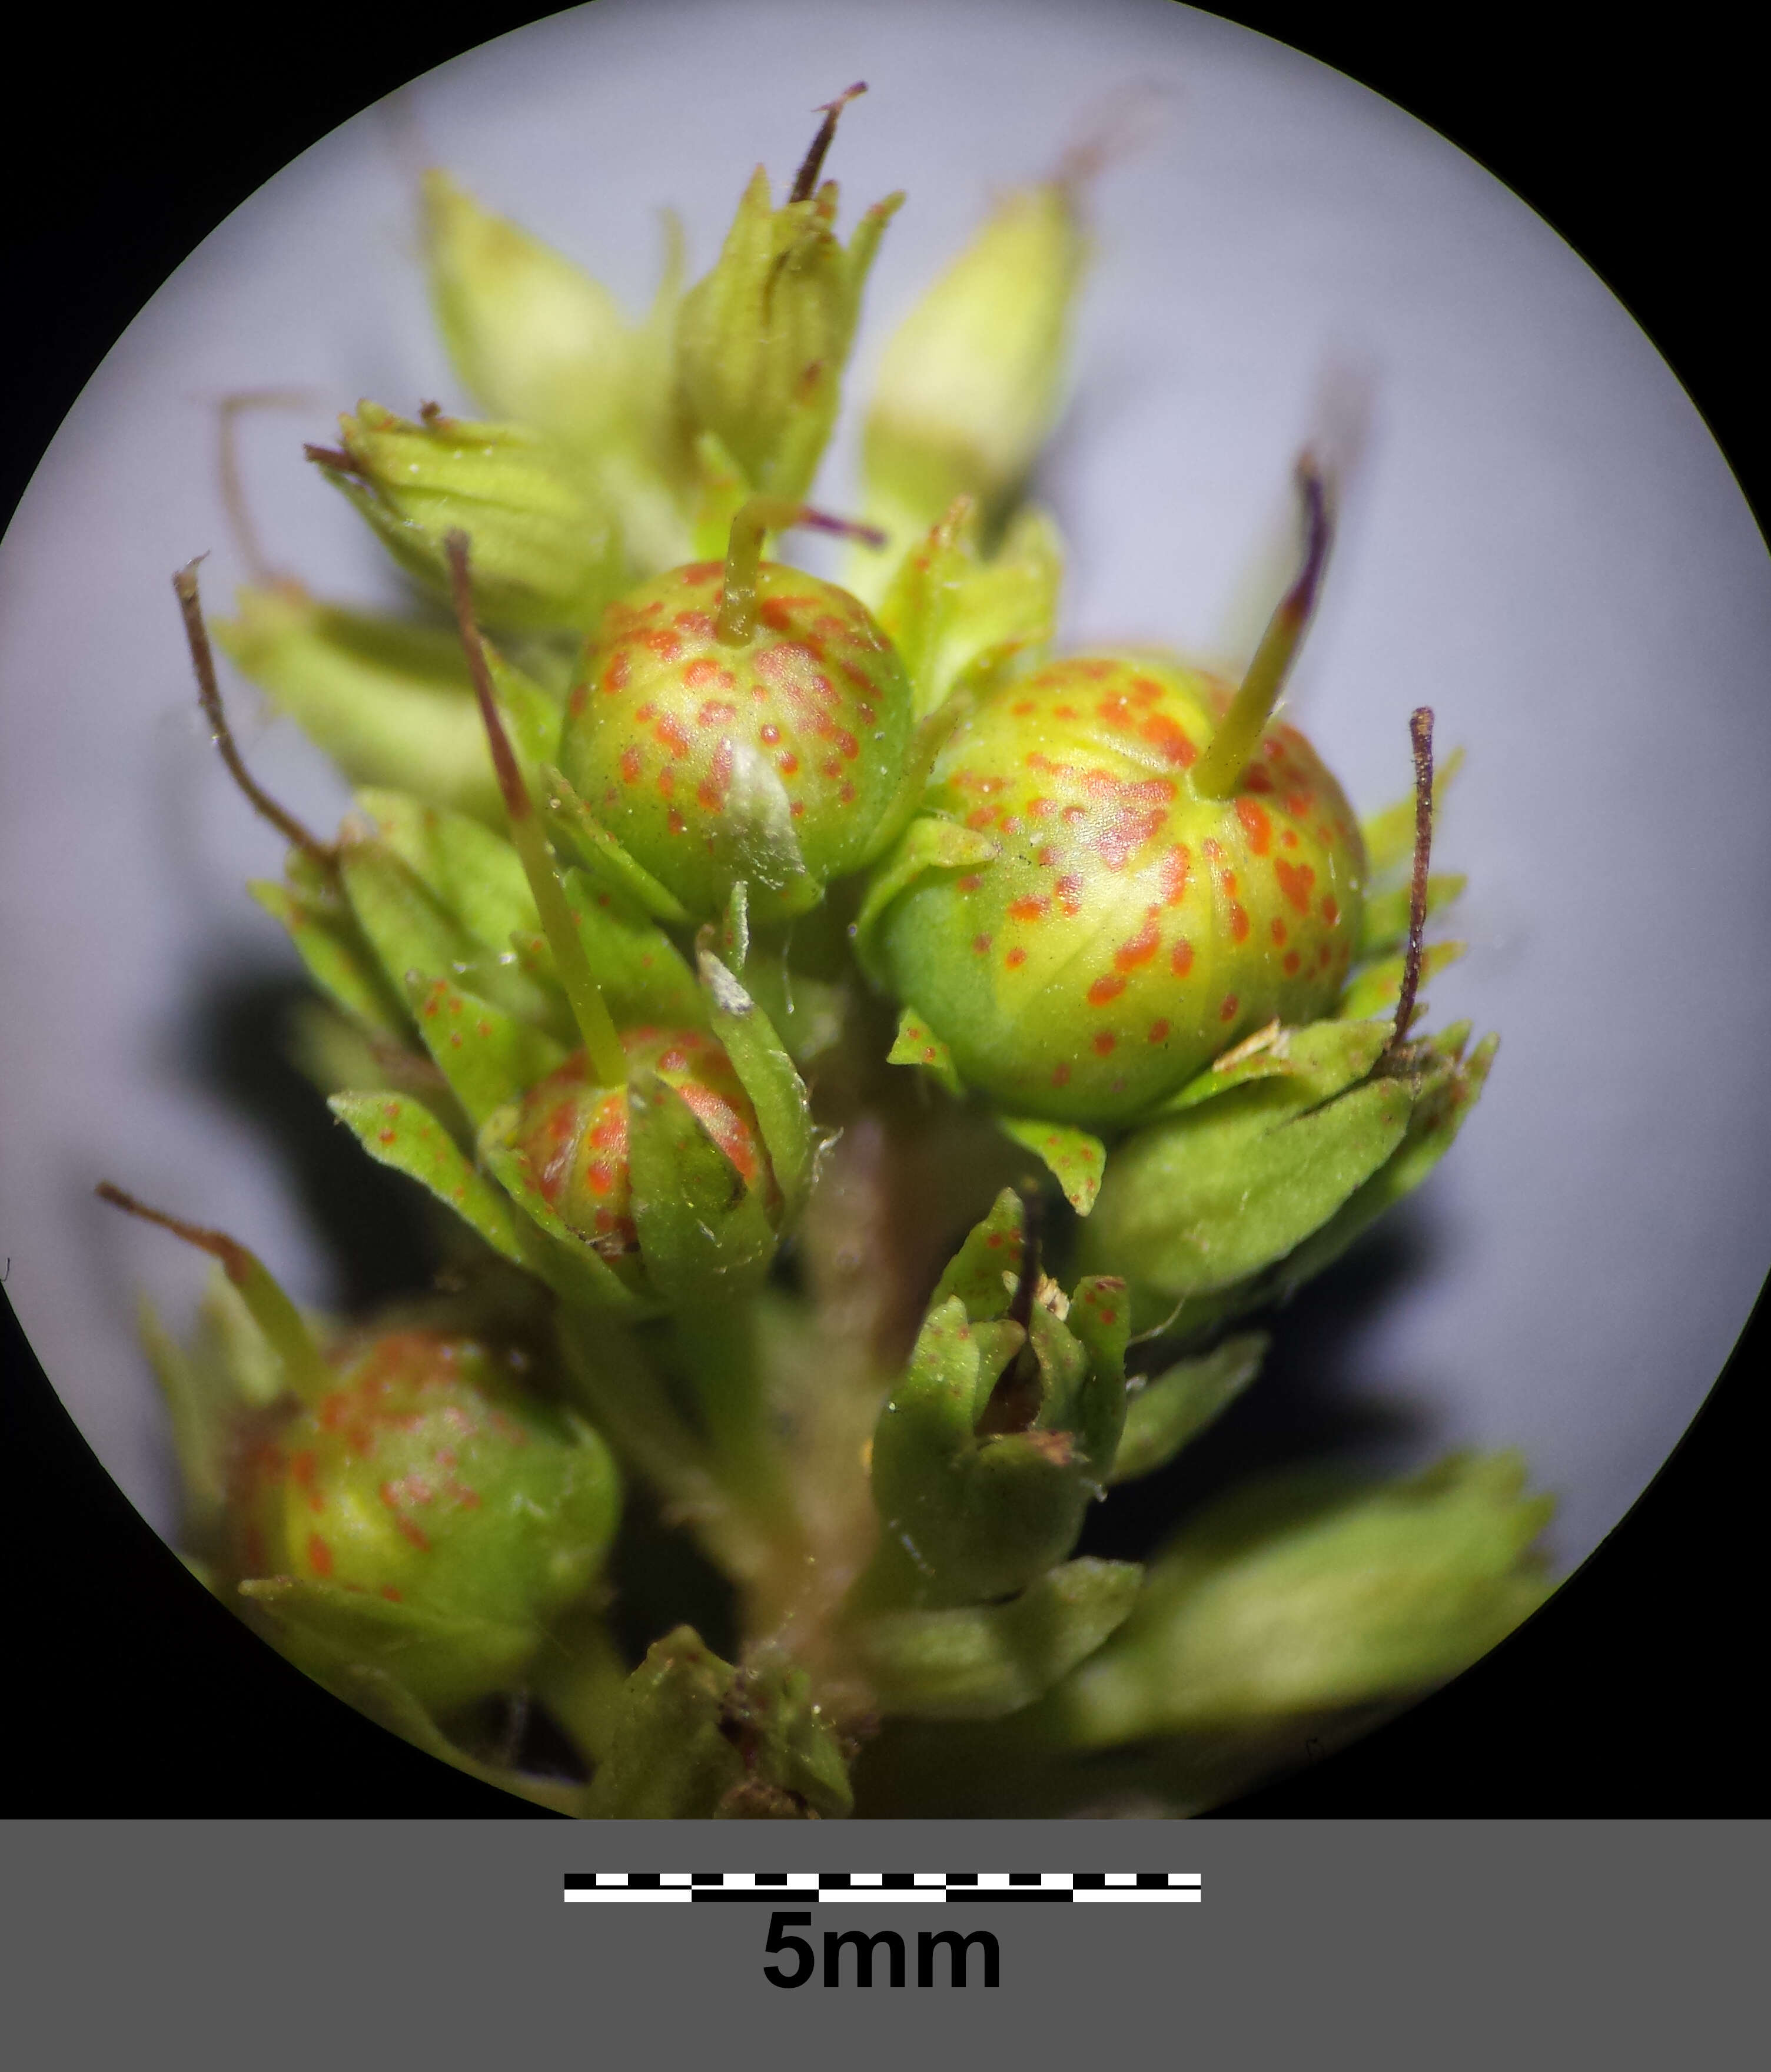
(1158, 1032)
(1227, 1012)
(1105, 989)
(1104, 1042)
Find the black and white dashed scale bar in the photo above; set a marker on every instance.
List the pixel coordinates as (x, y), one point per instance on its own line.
(873, 1888)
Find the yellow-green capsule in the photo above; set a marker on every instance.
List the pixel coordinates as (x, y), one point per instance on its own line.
(764, 336)
(546, 551)
(972, 380)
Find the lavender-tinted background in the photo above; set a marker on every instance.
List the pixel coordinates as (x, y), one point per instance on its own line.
(1544, 543)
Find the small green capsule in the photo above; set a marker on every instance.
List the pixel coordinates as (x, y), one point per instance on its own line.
(972, 378)
(763, 339)
(546, 554)
(427, 1478)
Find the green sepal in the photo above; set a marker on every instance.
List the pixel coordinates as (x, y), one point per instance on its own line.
(992, 1249)
(1383, 926)
(916, 1044)
(640, 972)
(733, 942)
(338, 956)
(487, 1056)
(474, 873)
(442, 1660)
(1319, 1060)
(779, 1095)
(694, 1738)
(931, 734)
(413, 929)
(549, 1247)
(1304, 1592)
(982, 1661)
(1377, 988)
(389, 702)
(398, 1131)
(960, 622)
(1449, 1088)
(1202, 1201)
(385, 1699)
(1075, 1159)
(1173, 1408)
(928, 843)
(571, 821)
(705, 1236)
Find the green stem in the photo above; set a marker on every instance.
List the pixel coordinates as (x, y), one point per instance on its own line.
(1220, 770)
(608, 1058)
(756, 517)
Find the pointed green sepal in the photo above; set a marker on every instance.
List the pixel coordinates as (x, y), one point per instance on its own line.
(784, 1107)
(390, 703)
(338, 957)
(1384, 929)
(397, 1130)
(1075, 1159)
(1376, 989)
(487, 1056)
(928, 843)
(705, 1232)
(572, 822)
(984, 1662)
(961, 621)
(1173, 1408)
(916, 1044)
(983, 1272)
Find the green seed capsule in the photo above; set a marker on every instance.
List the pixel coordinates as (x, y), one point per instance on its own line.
(1126, 930)
(427, 1478)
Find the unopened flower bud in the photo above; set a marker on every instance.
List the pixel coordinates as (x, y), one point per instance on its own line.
(972, 378)
(1305, 1592)
(535, 338)
(763, 338)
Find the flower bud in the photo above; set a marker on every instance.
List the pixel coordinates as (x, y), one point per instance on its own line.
(1304, 1593)
(1125, 931)
(464, 1513)
(972, 379)
(537, 341)
(545, 553)
(763, 338)
(771, 754)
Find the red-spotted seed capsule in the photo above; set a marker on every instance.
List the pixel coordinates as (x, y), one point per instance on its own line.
(741, 719)
(572, 1134)
(427, 1476)
(1169, 874)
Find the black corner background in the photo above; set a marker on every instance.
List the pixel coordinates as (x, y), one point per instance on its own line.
(129, 1692)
